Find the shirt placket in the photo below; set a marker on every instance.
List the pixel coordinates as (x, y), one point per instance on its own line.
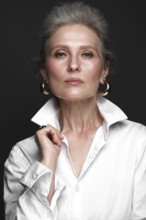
(97, 144)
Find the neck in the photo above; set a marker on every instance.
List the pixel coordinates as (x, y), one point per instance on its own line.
(79, 116)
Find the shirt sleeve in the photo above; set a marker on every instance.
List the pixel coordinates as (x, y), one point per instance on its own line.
(26, 187)
(139, 192)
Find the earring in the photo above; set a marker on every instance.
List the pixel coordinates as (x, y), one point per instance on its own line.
(105, 90)
(43, 88)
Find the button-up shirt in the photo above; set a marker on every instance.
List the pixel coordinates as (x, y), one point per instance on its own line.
(112, 182)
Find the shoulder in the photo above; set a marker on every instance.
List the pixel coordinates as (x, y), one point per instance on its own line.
(27, 144)
(25, 151)
(130, 126)
(129, 131)
(135, 127)
(30, 148)
(137, 134)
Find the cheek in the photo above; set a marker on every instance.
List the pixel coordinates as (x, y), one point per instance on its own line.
(95, 71)
(52, 69)
(54, 74)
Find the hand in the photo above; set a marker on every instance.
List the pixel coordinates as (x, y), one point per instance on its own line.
(49, 142)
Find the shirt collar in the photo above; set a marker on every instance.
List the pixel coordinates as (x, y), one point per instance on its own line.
(109, 111)
(49, 113)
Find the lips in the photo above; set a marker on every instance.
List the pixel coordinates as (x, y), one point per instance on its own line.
(74, 81)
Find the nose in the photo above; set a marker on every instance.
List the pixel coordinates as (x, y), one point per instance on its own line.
(73, 65)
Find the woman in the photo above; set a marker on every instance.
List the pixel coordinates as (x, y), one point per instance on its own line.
(87, 161)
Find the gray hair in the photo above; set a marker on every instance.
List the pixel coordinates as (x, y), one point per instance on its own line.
(76, 13)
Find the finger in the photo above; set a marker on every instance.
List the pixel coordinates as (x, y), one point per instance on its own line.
(58, 132)
(54, 135)
(43, 126)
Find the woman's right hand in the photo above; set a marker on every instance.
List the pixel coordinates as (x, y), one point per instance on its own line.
(49, 141)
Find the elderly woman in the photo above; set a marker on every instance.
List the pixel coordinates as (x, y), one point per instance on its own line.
(87, 162)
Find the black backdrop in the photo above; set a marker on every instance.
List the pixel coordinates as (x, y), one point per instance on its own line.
(20, 23)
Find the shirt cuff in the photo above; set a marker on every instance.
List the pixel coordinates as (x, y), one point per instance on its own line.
(38, 179)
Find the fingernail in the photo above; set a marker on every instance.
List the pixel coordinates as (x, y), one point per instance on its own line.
(61, 136)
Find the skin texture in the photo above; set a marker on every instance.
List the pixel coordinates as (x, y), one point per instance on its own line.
(74, 52)
(73, 70)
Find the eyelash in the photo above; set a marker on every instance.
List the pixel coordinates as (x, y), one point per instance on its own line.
(88, 54)
(60, 54)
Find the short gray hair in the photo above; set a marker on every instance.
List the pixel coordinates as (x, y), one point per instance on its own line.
(76, 13)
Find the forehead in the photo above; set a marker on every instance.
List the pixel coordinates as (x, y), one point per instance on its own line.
(75, 34)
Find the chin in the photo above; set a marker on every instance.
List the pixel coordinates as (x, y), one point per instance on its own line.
(74, 98)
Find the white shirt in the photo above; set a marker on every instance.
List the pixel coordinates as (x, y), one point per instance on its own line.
(111, 185)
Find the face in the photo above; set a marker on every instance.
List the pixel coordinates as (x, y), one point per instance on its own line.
(74, 64)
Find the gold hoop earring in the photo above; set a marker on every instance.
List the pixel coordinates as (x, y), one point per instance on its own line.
(43, 88)
(106, 88)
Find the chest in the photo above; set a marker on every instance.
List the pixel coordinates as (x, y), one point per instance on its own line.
(106, 178)
(82, 147)
(78, 150)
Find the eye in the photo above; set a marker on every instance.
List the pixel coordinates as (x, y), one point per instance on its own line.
(60, 54)
(87, 54)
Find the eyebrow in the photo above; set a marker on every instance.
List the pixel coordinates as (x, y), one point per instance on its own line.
(67, 47)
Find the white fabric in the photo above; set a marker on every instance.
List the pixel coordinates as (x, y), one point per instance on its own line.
(112, 183)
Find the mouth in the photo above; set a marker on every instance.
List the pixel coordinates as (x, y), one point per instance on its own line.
(74, 81)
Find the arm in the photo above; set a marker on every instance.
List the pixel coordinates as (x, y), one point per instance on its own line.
(49, 136)
(27, 186)
(139, 191)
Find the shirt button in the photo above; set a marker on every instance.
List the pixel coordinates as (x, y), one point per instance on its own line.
(35, 176)
(77, 188)
(29, 183)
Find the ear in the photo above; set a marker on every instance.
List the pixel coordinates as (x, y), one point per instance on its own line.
(44, 74)
(104, 74)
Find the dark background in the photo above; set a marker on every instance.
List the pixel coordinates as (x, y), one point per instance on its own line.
(20, 23)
